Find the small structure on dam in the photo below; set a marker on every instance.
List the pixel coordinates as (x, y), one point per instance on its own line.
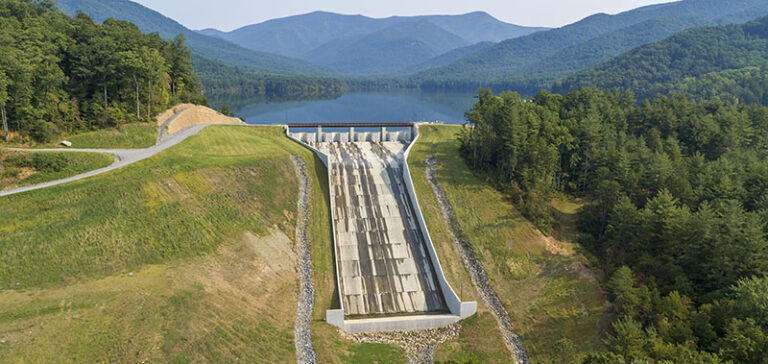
(388, 274)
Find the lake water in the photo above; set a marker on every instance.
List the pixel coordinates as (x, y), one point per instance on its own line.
(365, 107)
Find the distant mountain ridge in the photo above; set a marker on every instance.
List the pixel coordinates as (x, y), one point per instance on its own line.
(355, 44)
(548, 55)
(450, 57)
(655, 68)
(213, 48)
(388, 50)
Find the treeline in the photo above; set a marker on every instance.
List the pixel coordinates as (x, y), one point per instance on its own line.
(381, 83)
(744, 85)
(678, 194)
(523, 85)
(66, 74)
(221, 79)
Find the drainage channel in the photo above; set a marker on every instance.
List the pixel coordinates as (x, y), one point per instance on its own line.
(305, 352)
(476, 270)
(419, 345)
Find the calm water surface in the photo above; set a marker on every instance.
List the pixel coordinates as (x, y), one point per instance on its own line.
(365, 107)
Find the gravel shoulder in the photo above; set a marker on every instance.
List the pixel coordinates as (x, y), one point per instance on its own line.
(305, 352)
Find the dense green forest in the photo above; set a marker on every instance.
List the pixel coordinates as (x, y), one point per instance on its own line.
(677, 213)
(747, 85)
(672, 64)
(221, 79)
(66, 74)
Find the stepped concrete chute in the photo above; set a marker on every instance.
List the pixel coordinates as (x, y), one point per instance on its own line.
(387, 271)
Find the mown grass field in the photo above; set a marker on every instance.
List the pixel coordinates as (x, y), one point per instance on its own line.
(137, 135)
(27, 168)
(183, 257)
(543, 282)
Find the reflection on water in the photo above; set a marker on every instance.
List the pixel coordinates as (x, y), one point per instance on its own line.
(390, 106)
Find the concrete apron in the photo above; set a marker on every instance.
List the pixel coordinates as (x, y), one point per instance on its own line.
(388, 274)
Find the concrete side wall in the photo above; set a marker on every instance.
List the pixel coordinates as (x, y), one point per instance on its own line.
(324, 158)
(462, 309)
(335, 318)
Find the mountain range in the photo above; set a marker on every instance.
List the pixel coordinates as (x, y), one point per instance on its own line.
(360, 45)
(558, 52)
(212, 48)
(440, 51)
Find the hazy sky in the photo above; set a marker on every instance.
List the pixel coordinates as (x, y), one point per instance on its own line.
(232, 14)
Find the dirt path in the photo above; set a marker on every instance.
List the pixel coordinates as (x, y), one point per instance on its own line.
(305, 352)
(123, 157)
(476, 270)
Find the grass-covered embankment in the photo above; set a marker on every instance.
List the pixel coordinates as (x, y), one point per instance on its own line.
(136, 135)
(19, 169)
(542, 282)
(185, 256)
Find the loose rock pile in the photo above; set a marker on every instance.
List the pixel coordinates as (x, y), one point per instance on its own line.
(476, 270)
(305, 352)
(419, 345)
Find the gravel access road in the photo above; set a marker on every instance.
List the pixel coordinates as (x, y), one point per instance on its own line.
(123, 157)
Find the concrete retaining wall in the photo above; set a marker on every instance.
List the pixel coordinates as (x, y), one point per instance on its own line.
(457, 307)
(420, 322)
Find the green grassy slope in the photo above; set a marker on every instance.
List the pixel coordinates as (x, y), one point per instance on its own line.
(165, 260)
(26, 168)
(542, 281)
(138, 135)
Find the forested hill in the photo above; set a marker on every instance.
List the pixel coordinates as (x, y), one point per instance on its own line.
(223, 81)
(224, 68)
(555, 53)
(676, 213)
(676, 64)
(65, 74)
(209, 47)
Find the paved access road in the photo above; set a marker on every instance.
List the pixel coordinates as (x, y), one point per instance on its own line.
(123, 157)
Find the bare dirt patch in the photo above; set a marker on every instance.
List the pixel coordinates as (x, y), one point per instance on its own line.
(184, 115)
(275, 249)
(258, 272)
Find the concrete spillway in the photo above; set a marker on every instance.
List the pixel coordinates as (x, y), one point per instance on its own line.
(384, 266)
(387, 271)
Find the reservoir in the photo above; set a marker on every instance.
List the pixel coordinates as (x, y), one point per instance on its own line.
(361, 107)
